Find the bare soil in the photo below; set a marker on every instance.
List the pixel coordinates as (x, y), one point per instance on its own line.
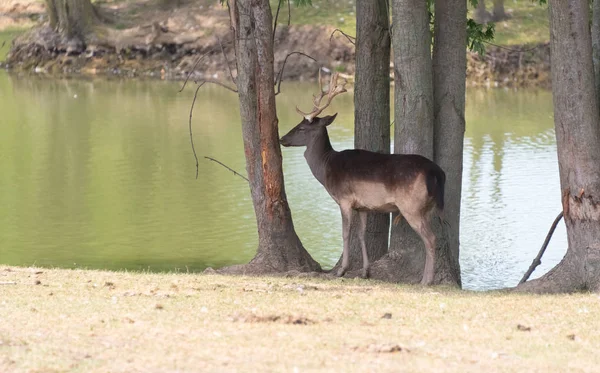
(146, 38)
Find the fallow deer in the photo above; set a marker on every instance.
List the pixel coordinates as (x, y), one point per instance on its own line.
(367, 181)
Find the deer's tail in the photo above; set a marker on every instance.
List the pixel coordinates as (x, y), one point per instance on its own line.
(436, 180)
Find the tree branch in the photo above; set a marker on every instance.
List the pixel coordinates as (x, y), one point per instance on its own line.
(190, 125)
(226, 60)
(276, 17)
(351, 39)
(229, 168)
(280, 73)
(538, 259)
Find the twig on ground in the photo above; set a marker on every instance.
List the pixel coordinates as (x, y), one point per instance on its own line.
(538, 259)
(279, 77)
(351, 39)
(229, 168)
(8, 283)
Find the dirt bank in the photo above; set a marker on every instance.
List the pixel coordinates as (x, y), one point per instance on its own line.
(145, 39)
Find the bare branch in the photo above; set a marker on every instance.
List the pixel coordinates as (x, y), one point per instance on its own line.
(276, 17)
(511, 49)
(192, 70)
(351, 39)
(218, 83)
(3, 44)
(190, 125)
(280, 73)
(226, 60)
(229, 168)
(538, 259)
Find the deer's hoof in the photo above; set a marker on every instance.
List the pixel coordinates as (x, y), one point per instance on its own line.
(341, 272)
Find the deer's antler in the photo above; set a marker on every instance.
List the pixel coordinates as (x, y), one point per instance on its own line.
(334, 90)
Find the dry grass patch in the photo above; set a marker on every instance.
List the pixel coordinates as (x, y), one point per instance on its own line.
(92, 321)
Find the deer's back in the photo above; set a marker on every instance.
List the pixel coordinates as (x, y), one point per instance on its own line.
(373, 180)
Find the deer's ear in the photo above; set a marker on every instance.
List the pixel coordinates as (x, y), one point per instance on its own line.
(325, 121)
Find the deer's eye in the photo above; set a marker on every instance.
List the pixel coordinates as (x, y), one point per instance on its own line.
(301, 129)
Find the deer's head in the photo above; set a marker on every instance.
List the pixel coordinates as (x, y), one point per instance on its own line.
(311, 125)
(306, 131)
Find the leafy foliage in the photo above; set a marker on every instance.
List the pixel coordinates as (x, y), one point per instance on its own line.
(478, 35)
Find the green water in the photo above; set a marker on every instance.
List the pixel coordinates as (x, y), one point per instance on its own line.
(100, 174)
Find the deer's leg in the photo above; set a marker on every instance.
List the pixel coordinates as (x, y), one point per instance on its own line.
(423, 229)
(361, 235)
(346, 219)
(429, 239)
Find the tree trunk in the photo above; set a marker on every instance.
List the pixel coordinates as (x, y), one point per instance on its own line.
(71, 18)
(596, 45)
(576, 121)
(449, 88)
(371, 113)
(498, 14)
(481, 15)
(279, 248)
(413, 126)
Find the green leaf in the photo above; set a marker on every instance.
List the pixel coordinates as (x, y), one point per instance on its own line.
(478, 35)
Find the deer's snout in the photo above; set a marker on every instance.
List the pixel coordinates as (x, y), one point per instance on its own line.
(283, 141)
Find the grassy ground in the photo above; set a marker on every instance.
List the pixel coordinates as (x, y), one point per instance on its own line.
(92, 321)
(528, 22)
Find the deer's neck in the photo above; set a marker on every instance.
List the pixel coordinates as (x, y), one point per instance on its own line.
(317, 155)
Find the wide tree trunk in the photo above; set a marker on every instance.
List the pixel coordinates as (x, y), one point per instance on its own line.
(371, 113)
(576, 121)
(413, 126)
(449, 87)
(596, 45)
(279, 248)
(71, 18)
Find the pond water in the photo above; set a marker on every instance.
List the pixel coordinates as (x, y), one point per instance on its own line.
(100, 174)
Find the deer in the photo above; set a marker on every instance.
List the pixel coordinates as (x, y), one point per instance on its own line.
(361, 180)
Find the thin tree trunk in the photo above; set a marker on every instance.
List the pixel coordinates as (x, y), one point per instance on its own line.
(576, 121)
(413, 126)
(449, 77)
(279, 248)
(71, 18)
(498, 13)
(371, 112)
(481, 15)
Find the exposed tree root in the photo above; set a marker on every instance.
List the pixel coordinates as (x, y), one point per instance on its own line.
(566, 277)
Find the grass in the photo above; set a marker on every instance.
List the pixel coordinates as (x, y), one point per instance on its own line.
(528, 23)
(91, 321)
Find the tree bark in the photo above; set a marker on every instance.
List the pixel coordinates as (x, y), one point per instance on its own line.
(71, 18)
(596, 45)
(481, 15)
(576, 121)
(279, 248)
(413, 126)
(498, 13)
(371, 113)
(449, 88)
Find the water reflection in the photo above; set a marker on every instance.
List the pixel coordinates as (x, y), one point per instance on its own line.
(100, 174)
